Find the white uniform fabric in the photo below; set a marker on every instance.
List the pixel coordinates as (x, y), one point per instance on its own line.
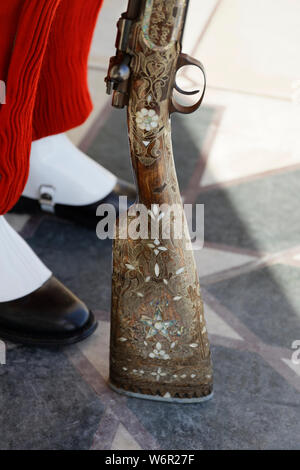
(77, 179)
(21, 271)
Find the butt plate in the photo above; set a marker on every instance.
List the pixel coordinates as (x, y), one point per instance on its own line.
(165, 398)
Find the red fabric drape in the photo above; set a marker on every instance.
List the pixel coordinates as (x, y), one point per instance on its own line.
(44, 47)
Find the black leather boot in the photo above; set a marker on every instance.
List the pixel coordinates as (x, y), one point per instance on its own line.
(50, 316)
(82, 215)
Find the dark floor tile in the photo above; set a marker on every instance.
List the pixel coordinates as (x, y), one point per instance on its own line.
(78, 258)
(45, 404)
(258, 215)
(253, 408)
(110, 147)
(267, 301)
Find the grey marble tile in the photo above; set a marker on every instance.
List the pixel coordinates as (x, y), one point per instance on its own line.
(78, 258)
(45, 404)
(258, 215)
(266, 300)
(253, 408)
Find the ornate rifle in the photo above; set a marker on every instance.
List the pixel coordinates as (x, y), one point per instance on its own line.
(159, 347)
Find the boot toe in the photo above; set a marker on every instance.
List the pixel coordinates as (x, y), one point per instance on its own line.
(51, 315)
(77, 318)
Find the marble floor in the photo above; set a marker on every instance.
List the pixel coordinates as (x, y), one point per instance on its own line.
(242, 161)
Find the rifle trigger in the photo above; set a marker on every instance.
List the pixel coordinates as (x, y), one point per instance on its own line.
(184, 60)
(183, 92)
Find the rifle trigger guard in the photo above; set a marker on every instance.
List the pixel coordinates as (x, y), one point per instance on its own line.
(183, 60)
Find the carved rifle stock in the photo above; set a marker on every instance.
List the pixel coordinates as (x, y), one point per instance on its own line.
(159, 347)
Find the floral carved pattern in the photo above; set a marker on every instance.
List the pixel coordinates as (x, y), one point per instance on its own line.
(153, 69)
(157, 319)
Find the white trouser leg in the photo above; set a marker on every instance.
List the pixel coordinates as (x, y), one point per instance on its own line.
(76, 179)
(21, 271)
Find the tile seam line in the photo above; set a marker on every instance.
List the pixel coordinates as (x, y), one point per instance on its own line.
(245, 345)
(97, 437)
(250, 93)
(97, 123)
(94, 66)
(253, 341)
(257, 264)
(98, 67)
(248, 178)
(238, 91)
(192, 190)
(114, 402)
(233, 249)
(236, 271)
(206, 26)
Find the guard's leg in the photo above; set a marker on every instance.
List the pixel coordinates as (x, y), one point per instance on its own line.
(35, 308)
